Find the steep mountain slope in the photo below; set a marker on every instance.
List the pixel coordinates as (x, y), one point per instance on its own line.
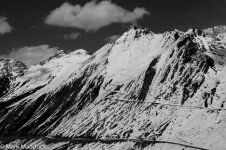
(159, 87)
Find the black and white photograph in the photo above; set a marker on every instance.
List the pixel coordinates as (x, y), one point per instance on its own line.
(113, 75)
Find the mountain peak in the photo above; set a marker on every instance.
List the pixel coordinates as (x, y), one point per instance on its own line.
(194, 31)
(80, 52)
(133, 33)
(58, 54)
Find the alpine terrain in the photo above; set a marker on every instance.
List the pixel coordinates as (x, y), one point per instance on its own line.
(144, 91)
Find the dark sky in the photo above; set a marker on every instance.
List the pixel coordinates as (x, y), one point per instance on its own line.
(27, 18)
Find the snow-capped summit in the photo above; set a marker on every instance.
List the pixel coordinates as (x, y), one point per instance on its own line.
(80, 52)
(62, 53)
(160, 87)
(58, 54)
(133, 33)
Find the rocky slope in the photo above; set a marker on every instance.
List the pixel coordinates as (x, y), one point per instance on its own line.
(159, 87)
(9, 70)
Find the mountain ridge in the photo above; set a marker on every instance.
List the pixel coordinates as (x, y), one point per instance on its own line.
(117, 92)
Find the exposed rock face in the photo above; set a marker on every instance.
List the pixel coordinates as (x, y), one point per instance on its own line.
(168, 87)
(9, 70)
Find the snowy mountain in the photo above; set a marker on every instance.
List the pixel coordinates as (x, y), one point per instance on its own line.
(9, 70)
(167, 88)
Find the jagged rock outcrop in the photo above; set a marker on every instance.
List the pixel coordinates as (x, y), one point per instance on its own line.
(9, 70)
